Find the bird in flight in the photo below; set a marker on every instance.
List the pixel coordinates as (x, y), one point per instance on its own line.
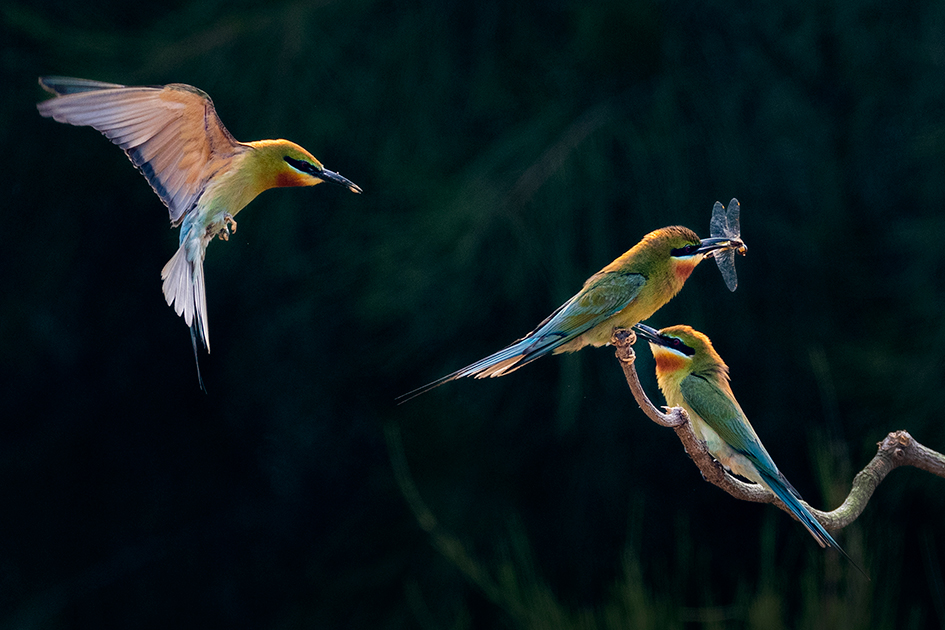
(204, 176)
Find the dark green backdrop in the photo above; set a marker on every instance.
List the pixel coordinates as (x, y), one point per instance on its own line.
(507, 151)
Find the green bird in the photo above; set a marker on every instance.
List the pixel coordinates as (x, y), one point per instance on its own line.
(692, 375)
(628, 290)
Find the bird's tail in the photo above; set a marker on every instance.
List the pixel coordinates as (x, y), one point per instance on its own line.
(784, 491)
(184, 288)
(506, 360)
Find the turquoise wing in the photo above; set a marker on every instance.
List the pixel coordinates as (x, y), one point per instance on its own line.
(723, 414)
(603, 296)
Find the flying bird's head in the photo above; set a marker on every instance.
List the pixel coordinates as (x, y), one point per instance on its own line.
(681, 350)
(288, 164)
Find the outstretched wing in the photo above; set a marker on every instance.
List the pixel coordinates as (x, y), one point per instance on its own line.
(171, 133)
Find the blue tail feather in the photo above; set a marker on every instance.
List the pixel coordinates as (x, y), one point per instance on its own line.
(789, 497)
(784, 491)
(500, 363)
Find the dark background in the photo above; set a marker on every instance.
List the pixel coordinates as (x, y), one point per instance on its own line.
(507, 151)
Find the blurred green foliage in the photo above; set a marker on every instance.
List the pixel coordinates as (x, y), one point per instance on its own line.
(507, 151)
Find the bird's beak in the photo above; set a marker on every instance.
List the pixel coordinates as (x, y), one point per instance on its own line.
(650, 334)
(334, 178)
(712, 246)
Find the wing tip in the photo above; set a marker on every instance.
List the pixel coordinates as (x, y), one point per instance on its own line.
(61, 86)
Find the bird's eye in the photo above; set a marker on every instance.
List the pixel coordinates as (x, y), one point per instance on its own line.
(301, 165)
(678, 344)
(688, 250)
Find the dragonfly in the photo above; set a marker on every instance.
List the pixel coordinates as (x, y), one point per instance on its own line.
(724, 224)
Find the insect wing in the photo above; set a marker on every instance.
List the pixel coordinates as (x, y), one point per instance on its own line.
(724, 221)
(725, 224)
(726, 262)
(731, 216)
(718, 226)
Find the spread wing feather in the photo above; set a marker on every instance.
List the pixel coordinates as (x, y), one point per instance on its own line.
(171, 133)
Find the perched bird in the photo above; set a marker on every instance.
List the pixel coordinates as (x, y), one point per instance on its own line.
(626, 291)
(204, 176)
(692, 375)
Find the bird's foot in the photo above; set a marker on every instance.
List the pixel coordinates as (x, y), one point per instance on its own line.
(622, 339)
(623, 336)
(229, 227)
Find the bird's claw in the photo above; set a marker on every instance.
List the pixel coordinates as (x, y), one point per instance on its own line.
(229, 227)
(623, 336)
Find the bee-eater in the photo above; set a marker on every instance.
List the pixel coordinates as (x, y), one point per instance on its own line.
(204, 176)
(692, 375)
(626, 291)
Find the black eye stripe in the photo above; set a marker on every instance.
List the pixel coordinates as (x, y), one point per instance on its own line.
(301, 165)
(688, 250)
(677, 344)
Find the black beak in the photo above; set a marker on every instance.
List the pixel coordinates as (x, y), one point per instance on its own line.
(714, 245)
(334, 178)
(650, 334)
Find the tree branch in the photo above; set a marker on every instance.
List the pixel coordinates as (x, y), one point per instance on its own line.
(897, 449)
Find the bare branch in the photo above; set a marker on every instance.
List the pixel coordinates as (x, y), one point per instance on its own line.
(897, 449)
